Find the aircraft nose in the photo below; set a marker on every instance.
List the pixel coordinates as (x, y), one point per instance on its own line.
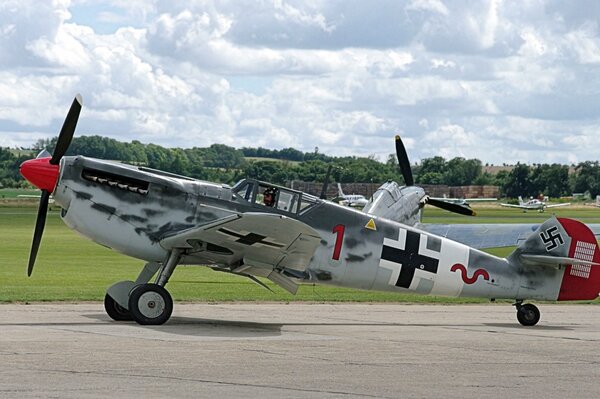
(41, 173)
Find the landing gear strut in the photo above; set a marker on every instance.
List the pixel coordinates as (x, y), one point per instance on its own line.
(527, 314)
(141, 301)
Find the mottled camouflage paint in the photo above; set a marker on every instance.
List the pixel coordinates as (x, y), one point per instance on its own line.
(118, 216)
(127, 221)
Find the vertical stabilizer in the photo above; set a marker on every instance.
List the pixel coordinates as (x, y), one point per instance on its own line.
(580, 281)
(561, 256)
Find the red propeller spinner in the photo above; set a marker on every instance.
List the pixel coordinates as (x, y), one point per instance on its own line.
(41, 173)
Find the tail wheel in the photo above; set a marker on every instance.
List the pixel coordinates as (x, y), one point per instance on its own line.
(116, 311)
(150, 304)
(528, 314)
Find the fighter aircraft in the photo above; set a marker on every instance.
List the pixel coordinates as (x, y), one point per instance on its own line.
(404, 204)
(257, 229)
(354, 200)
(533, 204)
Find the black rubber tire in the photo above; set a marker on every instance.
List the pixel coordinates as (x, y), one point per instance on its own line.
(528, 315)
(116, 311)
(150, 304)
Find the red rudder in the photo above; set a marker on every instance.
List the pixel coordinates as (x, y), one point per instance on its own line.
(580, 281)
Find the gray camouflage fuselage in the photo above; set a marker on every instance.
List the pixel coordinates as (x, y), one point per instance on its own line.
(131, 210)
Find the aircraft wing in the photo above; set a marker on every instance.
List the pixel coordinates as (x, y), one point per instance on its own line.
(464, 200)
(558, 205)
(516, 206)
(483, 236)
(492, 235)
(263, 240)
(491, 199)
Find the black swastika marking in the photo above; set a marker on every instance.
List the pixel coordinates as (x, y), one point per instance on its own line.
(550, 238)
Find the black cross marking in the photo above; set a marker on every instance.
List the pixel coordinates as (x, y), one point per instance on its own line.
(550, 239)
(410, 259)
(250, 238)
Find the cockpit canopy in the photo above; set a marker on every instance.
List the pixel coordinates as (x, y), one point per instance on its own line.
(267, 195)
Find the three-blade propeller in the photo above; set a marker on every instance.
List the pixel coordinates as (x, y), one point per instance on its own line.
(406, 171)
(64, 140)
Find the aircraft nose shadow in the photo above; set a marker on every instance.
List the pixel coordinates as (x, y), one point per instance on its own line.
(199, 327)
(222, 328)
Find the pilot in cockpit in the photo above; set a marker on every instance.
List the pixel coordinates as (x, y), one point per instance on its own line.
(269, 196)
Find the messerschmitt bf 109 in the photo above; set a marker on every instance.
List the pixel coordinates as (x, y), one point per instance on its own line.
(404, 204)
(256, 229)
(534, 204)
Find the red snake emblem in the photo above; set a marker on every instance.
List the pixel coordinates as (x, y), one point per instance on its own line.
(465, 276)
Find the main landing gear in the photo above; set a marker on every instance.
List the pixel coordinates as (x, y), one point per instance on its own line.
(527, 314)
(150, 304)
(141, 301)
(116, 311)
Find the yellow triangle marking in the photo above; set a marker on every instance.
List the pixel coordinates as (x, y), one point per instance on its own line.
(371, 225)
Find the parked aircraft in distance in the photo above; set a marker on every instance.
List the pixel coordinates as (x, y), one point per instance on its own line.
(464, 201)
(404, 204)
(354, 200)
(258, 229)
(533, 204)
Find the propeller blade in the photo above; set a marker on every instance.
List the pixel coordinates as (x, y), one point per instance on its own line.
(39, 229)
(326, 183)
(67, 131)
(403, 162)
(448, 206)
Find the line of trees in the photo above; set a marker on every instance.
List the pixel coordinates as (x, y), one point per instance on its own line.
(9, 168)
(226, 164)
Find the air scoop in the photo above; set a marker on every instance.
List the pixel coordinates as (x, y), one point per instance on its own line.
(41, 173)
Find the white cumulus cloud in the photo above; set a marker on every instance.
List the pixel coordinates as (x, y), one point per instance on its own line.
(500, 81)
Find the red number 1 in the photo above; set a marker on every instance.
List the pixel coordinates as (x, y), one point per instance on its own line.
(339, 240)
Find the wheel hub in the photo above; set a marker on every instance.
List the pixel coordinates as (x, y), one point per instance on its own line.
(151, 304)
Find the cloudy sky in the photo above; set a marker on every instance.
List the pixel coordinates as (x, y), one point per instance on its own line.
(494, 80)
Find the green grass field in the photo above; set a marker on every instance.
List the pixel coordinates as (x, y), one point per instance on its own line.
(72, 268)
(10, 193)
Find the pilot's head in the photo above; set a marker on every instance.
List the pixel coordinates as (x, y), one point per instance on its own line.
(269, 196)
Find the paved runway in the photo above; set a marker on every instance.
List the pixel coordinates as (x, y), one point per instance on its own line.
(301, 351)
